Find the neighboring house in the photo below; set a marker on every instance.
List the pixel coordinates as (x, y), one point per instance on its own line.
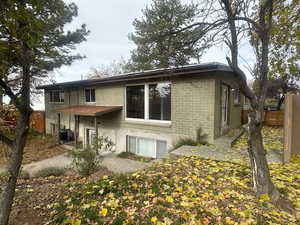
(147, 112)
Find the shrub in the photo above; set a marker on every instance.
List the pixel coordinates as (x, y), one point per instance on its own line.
(200, 140)
(87, 161)
(200, 137)
(50, 171)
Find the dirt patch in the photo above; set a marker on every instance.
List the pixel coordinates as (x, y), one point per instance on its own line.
(35, 196)
(38, 147)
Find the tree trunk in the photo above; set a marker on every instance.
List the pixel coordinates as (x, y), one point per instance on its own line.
(262, 182)
(15, 161)
(280, 102)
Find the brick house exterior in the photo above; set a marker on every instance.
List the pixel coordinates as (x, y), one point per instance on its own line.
(203, 95)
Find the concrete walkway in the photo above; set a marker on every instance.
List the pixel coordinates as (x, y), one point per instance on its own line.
(110, 161)
(217, 153)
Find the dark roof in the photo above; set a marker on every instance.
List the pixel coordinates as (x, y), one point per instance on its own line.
(89, 110)
(157, 73)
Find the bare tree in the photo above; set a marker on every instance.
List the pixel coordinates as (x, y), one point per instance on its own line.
(116, 67)
(229, 22)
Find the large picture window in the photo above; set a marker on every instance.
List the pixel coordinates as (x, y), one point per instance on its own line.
(135, 99)
(149, 102)
(57, 96)
(90, 95)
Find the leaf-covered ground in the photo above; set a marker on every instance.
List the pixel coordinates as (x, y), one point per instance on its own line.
(188, 190)
(38, 147)
(272, 137)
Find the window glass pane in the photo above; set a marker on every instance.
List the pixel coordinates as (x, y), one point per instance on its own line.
(87, 95)
(131, 144)
(93, 97)
(135, 99)
(160, 101)
(146, 147)
(51, 96)
(62, 96)
(56, 96)
(161, 149)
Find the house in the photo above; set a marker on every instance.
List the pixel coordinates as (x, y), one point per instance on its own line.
(147, 112)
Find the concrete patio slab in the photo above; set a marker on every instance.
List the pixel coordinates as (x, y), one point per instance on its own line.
(217, 153)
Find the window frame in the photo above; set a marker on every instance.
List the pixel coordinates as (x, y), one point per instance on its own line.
(60, 94)
(146, 104)
(137, 138)
(237, 97)
(90, 95)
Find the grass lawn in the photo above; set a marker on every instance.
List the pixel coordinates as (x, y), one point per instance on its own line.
(38, 147)
(188, 190)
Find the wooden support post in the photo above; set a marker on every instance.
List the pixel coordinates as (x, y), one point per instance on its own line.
(96, 128)
(76, 131)
(58, 128)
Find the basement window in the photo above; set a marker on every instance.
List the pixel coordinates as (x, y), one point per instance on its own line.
(146, 147)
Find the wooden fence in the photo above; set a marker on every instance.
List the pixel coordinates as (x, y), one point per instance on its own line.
(274, 118)
(37, 121)
(271, 118)
(291, 127)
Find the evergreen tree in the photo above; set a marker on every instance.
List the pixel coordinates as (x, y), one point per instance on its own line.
(156, 49)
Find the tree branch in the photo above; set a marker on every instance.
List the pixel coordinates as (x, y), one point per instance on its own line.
(206, 26)
(255, 24)
(11, 95)
(243, 83)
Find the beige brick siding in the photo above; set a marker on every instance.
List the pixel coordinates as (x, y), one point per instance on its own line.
(193, 106)
(195, 102)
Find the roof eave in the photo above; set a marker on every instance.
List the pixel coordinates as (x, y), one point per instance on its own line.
(137, 76)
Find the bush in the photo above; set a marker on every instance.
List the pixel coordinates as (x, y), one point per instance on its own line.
(200, 137)
(200, 140)
(50, 171)
(87, 161)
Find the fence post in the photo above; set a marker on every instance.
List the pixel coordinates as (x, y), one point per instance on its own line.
(288, 119)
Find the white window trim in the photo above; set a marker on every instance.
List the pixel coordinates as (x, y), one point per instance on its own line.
(136, 144)
(90, 95)
(146, 105)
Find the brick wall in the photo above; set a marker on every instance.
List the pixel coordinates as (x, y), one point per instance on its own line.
(195, 102)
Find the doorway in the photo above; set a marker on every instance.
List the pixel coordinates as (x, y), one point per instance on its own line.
(224, 108)
(90, 135)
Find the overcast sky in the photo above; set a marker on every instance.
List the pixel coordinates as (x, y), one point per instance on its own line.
(110, 22)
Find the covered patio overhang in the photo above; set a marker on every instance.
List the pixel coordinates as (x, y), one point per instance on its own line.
(91, 111)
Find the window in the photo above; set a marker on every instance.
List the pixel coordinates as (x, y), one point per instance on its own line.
(160, 101)
(237, 97)
(135, 102)
(149, 102)
(90, 95)
(57, 96)
(146, 147)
